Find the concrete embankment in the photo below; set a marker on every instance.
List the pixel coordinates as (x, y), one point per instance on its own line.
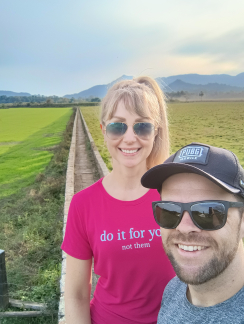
(85, 166)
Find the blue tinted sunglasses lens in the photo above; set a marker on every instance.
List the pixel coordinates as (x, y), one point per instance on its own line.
(143, 130)
(117, 130)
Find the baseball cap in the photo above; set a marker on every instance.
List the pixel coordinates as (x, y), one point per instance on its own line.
(217, 164)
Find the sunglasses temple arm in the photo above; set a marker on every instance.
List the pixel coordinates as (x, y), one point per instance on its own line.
(236, 204)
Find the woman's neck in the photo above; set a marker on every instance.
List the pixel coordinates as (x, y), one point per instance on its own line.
(125, 183)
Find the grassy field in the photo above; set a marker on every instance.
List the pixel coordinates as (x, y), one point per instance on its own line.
(216, 123)
(27, 139)
(33, 162)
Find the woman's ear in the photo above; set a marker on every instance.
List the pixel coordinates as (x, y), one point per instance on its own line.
(103, 129)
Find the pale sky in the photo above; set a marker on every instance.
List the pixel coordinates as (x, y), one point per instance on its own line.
(58, 47)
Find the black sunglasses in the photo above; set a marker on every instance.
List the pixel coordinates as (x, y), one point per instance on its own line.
(208, 215)
(142, 130)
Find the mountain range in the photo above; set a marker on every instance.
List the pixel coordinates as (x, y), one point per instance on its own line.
(192, 83)
(184, 82)
(14, 94)
(180, 85)
(98, 90)
(237, 81)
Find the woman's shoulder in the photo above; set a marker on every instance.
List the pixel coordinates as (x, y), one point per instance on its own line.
(154, 194)
(95, 188)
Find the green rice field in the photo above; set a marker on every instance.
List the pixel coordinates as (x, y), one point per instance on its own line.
(216, 123)
(27, 139)
(34, 147)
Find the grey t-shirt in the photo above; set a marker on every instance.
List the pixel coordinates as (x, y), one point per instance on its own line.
(176, 309)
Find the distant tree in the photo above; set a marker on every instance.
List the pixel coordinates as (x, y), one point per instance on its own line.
(49, 101)
(201, 94)
(65, 100)
(96, 100)
(186, 96)
(177, 94)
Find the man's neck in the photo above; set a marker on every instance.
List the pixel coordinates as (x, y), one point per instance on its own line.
(221, 288)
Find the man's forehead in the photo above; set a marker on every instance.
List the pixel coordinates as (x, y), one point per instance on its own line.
(180, 180)
(192, 187)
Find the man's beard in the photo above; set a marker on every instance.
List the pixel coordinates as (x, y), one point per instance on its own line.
(214, 267)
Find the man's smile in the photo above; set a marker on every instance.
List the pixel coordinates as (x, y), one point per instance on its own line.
(191, 248)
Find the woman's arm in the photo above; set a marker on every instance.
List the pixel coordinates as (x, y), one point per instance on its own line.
(77, 291)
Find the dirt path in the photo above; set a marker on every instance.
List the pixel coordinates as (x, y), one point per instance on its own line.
(85, 170)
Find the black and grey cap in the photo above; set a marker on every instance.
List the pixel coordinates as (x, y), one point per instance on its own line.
(217, 164)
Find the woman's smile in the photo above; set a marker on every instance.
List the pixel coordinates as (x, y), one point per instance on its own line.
(129, 151)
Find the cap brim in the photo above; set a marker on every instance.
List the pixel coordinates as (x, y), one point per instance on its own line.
(155, 177)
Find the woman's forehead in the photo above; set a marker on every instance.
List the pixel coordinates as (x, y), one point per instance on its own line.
(125, 111)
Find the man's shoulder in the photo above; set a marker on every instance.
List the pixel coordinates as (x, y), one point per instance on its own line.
(176, 309)
(237, 301)
(175, 288)
(172, 302)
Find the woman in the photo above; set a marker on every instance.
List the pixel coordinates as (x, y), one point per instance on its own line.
(112, 220)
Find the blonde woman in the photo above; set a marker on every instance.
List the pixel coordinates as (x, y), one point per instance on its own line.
(112, 220)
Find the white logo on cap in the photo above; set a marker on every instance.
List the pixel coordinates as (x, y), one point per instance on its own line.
(190, 153)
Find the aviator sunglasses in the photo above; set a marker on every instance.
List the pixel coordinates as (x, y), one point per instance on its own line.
(208, 215)
(144, 131)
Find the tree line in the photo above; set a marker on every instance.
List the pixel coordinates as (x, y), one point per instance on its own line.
(37, 99)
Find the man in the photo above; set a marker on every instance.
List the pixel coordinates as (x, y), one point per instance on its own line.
(201, 216)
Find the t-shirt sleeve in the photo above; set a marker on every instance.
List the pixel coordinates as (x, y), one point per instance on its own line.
(76, 242)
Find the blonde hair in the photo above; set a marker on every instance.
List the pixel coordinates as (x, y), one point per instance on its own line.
(141, 95)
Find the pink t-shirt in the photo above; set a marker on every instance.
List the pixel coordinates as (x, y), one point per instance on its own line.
(125, 242)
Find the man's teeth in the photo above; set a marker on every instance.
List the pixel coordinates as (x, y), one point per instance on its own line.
(191, 247)
(129, 151)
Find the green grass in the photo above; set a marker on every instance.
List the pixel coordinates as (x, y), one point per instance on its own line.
(33, 165)
(27, 140)
(219, 124)
(91, 115)
(31, 216)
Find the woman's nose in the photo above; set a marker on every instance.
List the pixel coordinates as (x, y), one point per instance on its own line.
(129, 135)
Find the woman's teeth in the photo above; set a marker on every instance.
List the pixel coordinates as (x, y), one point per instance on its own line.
(129, 151)
(191, 247)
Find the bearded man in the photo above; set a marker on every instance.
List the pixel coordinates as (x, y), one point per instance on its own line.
(201, 215)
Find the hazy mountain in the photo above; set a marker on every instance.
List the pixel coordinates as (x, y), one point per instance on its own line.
(236, 81)
(179, 85)
(123, 77)
(184, 82)
(13, 94)
(98, 90)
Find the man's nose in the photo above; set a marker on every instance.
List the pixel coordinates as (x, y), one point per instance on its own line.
(186, 225)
